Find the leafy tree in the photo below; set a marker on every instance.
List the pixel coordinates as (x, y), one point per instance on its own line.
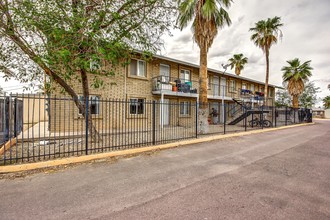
(207, 17)
(294, 76)
(238, 61)
(265, 34)
(75, 40)
(326, 102)
(282, 98)
(308, 98)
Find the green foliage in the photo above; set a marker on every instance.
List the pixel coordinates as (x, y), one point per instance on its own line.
(238, 61)
(266, 32)
(282, 98)
(309, 96)
(296, 71)
(326, 102)
(207, 17)
(296, 75)
(68, 37)
(307, 99)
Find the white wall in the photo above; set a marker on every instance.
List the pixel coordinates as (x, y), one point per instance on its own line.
(327, 113)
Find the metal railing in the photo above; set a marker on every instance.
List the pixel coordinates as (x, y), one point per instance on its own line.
(40, 127)
(165, 83)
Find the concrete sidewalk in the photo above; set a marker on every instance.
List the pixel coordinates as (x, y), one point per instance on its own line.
(134, 151)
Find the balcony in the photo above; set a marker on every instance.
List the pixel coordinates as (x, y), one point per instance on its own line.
(216, 91)
(174, 86)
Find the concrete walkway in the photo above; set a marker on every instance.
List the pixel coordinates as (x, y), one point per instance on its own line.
(274, 175)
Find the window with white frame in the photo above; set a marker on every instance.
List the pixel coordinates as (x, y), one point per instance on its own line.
(136, 106)
(93, 103)
(138, 68)
(232, 86)
(164, 72)
(185, 108)
(185, 75)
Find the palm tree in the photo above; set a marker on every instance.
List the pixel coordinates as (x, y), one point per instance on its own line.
(265, 34)
(238, 61)
(207, 17)
(326, 102)
(295, 75)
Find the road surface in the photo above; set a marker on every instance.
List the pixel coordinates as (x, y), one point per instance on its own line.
(281, 174)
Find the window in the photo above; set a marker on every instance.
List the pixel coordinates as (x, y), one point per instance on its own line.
(138, 68)
(136, 106)
(185, 75)
(244, 86)
(252, 87)
(164, 72)
(94, 104)
(232, 86)
(184, 108)
(261, 89)
(270, 94)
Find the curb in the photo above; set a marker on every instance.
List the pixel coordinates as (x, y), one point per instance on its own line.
(136, 151)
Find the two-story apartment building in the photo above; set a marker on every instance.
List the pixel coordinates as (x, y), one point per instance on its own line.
(165, 80)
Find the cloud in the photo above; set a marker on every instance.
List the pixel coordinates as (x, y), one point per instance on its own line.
(305, 36)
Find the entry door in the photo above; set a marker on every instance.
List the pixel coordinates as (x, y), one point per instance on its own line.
(223, 86)
(216, 85)
(166, 112)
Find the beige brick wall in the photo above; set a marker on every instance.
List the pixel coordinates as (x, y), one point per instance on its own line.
(122, 86)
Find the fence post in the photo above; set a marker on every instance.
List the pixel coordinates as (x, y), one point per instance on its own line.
(86, 120)
(286, 115)
(294, 116)
(225, 119)
(275, 118)
(245, 120)
(154, 122)
(196, 119)
(262, 117)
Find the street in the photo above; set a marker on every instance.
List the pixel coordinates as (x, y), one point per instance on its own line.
(282, 174)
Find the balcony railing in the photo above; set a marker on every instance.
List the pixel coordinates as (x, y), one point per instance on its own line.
(165, 83)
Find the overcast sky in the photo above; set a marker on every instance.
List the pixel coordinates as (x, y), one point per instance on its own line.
(306, 35)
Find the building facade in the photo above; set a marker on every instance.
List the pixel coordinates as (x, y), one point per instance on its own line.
(164, 80)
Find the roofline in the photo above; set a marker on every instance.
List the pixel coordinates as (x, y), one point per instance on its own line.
(212, 70)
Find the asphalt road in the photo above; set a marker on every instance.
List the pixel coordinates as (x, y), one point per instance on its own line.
(282, 174)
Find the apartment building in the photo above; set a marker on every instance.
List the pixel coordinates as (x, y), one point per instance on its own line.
(164, 80)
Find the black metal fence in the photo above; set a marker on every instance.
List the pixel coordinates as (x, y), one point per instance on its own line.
(38, 127)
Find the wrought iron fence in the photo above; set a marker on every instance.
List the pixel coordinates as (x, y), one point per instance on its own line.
(39, 127)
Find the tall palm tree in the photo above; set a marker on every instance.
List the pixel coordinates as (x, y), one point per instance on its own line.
(207, 17)
(265, 34)
(238, 61)
(295, 75)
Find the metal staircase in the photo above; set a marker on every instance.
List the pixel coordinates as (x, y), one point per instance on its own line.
(245, 111)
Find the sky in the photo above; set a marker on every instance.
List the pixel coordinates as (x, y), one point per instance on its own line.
(306, 35)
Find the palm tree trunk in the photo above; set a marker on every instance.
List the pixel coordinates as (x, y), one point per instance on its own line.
(267, 77)
(295, 103)
(203, 102)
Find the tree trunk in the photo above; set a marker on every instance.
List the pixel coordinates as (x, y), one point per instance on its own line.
(295, 102)
(94, 134)
(203, 112)
(21, 44)
(237, 71)
(267, 78)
